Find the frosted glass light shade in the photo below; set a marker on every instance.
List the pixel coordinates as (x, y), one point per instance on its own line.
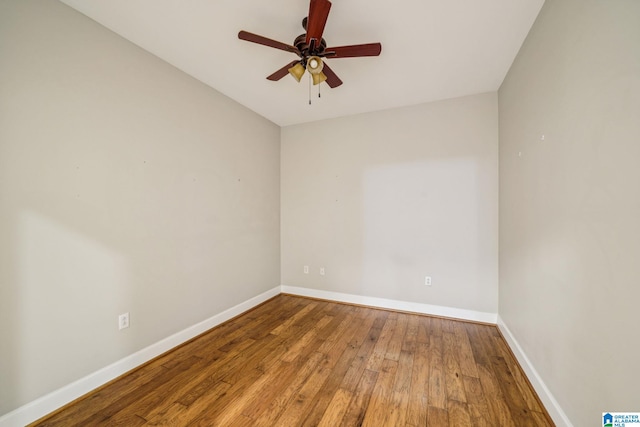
(318, 78)
(314, 65)
(296, 71)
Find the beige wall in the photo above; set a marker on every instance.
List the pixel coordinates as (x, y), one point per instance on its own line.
(125, 185)
(570, 204)
(383, 199)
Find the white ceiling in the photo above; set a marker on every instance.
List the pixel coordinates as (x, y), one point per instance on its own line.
(431, 49)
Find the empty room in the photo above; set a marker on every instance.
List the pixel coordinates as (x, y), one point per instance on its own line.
(312, 212)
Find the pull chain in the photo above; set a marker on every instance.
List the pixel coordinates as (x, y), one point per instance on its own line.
(309, 89)
(319, 90)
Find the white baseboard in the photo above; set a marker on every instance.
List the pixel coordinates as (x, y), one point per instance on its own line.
(54, 400)
(549, 402)
(434, 310)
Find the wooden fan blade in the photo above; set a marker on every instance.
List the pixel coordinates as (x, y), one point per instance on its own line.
(254, 38)
(332, 79)
(369, 49)
(281, 72)
(318, 14)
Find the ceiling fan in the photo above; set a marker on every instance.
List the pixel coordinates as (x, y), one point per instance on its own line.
(312, 49)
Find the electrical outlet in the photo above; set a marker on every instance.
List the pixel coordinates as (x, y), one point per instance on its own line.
(322, 271)
(123, 321)
(306, 269)
(427, 280)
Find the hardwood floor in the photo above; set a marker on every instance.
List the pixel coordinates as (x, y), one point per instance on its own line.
(300, 362)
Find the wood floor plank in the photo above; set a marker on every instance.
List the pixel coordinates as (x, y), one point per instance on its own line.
(231, 368)
(359, 364)
(541, 418)
(424, 329)
(437, 390)
(379, 405)
(278, 380)
(296, 361)
(481, 415)
(513, 397)
(400, 393)
(178, 414)
(350, 342)
(302, 401)
(411, 336)
(124, 410)
(380, 350)
(286, 324)
(209, 413)
(198, 386)
(354, 415)
(435, 326)
(394, 347)
(452, 372)
(306, 339)
(147, 406)
(458, 414)
(481, 353)
(202, 382)
(241, 327)
(465, 354)
(103, 397)
(495, 399)
(254, 392)
(437, 417)
(529, 396)
(267, 416)
(336, 409)
(417, 405)
(307, 396)
(274, 346)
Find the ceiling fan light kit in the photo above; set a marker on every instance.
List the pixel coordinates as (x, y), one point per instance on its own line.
(312, 49)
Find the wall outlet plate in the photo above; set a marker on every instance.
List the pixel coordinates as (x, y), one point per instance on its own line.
(123, 321)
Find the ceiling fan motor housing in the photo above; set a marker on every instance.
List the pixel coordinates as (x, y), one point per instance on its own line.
(305, 50)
